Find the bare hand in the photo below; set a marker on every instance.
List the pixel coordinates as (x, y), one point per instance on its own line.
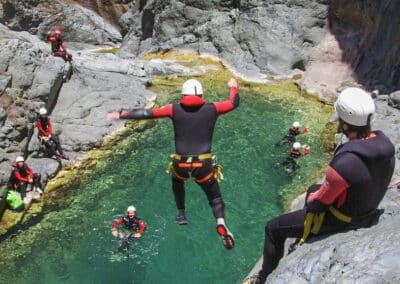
(113, 115)
(137, 235)
(115, 233)
(232, 83)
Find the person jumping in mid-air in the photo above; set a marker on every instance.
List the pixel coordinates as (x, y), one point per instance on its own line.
(194, 122)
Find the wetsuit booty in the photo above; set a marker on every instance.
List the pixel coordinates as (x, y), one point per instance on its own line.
(227, 236)
(181, 218)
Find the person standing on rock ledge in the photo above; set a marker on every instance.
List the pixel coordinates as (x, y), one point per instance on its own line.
(194, 122)
(356, 181)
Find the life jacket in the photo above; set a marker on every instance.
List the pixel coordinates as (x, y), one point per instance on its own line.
(24, 172)
(44, 121)
(294, 153)
(194, 127)
(132, 224)
(294, 131)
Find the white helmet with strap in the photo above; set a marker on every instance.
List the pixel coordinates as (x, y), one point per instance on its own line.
(131, 208)
(20, 159)
(192, 87)
(296, 145)
(296, 124)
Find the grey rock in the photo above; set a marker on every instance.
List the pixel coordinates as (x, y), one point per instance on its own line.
(253, 36)
(77, 22)
(5, 82)
(48, 168)
(394, 99)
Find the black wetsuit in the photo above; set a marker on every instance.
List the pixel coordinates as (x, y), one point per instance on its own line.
(355, 183)
(194, 122)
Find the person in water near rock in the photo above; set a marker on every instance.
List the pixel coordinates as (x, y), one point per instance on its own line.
(194, 122)
(294, 154)
(134, 225)
(293, 132)
(58, 47)
(46, 136)
(356, 180)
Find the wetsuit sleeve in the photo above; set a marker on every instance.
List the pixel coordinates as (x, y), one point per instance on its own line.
(165, 111)
(40, 128)
(117, 223)
(29, 170)
(49, 127)
(19, 177)
(228, 105)
(142, 226)
(333, 189)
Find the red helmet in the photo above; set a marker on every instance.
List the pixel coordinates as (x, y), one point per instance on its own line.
(57, 32)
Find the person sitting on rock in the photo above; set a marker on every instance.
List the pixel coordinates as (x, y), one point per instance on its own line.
(22, 176)
(356, 181)
(58, 46)
(46, 136)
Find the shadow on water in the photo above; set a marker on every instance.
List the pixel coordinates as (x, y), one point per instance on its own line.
(71, 242)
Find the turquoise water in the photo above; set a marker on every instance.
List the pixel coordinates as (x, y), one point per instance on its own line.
(72, 242)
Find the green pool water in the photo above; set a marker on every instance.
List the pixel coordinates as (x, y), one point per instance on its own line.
(71, 241)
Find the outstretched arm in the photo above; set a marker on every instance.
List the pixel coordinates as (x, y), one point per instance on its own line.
(165, 111)
(233, 100)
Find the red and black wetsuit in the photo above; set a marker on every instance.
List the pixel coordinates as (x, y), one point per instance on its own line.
(133, 224)
(194, 122)
(355, 183)
(45, 129)
(58, 47)
(20, 178)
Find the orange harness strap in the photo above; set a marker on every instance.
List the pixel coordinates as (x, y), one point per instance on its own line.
(206, 178)
(190, 165)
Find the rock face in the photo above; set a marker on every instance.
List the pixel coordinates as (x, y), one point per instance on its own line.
(253, 36)
(77, 22)
(335, 41)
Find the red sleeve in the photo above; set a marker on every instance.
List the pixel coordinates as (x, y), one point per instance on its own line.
(41, 130)
(304, 131)
(306, 152)
(19, 177)
(117, 223)
(333, 188)
(49, 127)
(165, 111)
(228, 105)
(142, 226)
(29, 169)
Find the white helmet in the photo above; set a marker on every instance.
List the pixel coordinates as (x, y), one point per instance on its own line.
(296, 124)
(192, 87)
(42, 111)
(354, 106)
(131, 208)
(19, 159)
(296, 145)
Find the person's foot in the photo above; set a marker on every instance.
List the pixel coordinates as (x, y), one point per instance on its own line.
(181, 218)
(227, 236)
(65, 157)
(255, 279)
